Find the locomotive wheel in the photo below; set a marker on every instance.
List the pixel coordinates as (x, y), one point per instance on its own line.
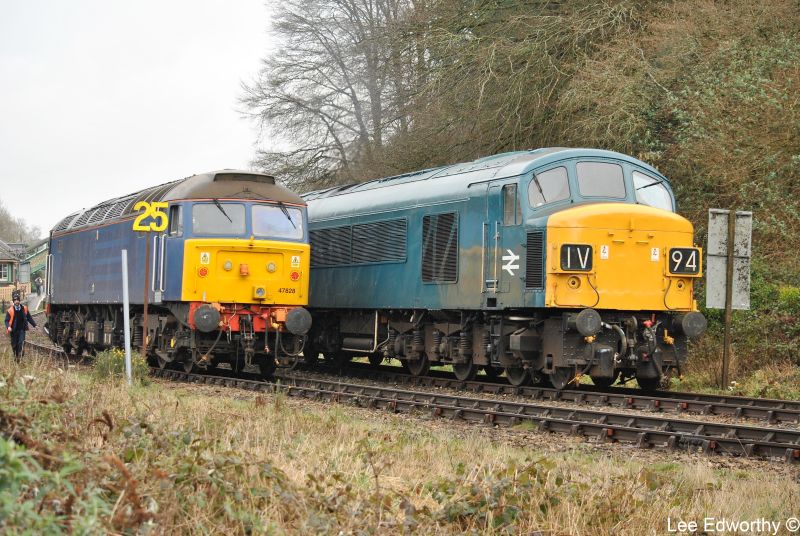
(67, 348)
(517, 376)
(267, 367)
(375, 359)
(162, 363)
(465, 372)
(419, 367)
(649, 384)
(187, 365)
(561, 377)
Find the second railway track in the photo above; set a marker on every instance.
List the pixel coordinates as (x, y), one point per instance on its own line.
(772, 411)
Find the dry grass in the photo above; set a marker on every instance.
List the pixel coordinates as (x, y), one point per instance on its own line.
(202, 460)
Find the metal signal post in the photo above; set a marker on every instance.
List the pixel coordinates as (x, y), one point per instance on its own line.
(726, 345)
(728, 271)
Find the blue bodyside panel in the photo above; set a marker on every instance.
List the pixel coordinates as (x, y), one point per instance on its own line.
(87, 265)
(492, 254)
(400, 285)
(90, 269)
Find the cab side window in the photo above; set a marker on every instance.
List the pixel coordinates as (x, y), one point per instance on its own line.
(548, 186)
(175, 221)
(512, 211)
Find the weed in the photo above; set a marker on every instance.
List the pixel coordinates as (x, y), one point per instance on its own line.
(111, 364)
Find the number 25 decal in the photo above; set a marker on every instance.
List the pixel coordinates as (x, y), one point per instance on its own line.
(150, 210)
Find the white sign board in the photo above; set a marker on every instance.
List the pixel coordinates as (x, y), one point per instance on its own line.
(717, 259)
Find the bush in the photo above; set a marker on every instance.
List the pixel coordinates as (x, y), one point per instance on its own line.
(111, 364)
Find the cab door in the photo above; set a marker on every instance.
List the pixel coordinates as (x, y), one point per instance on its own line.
(504, 246)
(169, 266)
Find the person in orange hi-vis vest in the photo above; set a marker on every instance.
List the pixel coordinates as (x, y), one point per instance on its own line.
(17, 320)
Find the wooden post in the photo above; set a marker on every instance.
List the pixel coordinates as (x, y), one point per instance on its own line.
(146, 291)
(726, 345)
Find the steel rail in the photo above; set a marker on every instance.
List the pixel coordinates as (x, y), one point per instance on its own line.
(769, 410)
(643, 431)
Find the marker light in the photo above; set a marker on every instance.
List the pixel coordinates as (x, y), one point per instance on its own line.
(271, 267)
(228, 266)
(294, 276)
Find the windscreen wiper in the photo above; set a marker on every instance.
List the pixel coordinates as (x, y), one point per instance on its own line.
(539, 187)
(286, 213)
(219, 206)
(649, 185)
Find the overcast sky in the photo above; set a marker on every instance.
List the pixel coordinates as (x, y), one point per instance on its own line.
(102, 98)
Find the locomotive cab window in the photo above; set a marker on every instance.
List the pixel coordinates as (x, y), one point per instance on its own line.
(175, 220)
(218, 219)
(600, 179)
(512, 211)
(651, 192)
(548, 186)
(277, 222)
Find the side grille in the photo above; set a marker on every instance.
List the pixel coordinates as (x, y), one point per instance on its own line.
(534, 260)
(330, 247)
(379, 242)
(365, 243)
(440, 248)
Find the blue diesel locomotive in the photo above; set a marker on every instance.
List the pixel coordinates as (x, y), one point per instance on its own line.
(545, 264)
(228, 274)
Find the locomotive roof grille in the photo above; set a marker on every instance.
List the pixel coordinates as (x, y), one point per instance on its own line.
(118, 208)
(84, 218)
(63, 224)
(100, 213)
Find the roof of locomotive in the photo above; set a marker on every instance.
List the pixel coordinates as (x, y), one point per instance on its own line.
(223, 184)
(447, 182)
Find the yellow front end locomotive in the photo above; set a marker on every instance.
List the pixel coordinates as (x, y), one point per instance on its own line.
(228, 272)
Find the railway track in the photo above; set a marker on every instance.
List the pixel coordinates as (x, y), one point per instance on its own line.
(771, 411)
(644, 431)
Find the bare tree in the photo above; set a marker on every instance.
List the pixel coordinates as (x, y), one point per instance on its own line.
(495, 71)
(331, 89)
(15, 229)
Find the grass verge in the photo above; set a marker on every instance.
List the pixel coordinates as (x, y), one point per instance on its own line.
(87, 455)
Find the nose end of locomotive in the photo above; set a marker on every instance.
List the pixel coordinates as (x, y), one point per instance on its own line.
(298, 321)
